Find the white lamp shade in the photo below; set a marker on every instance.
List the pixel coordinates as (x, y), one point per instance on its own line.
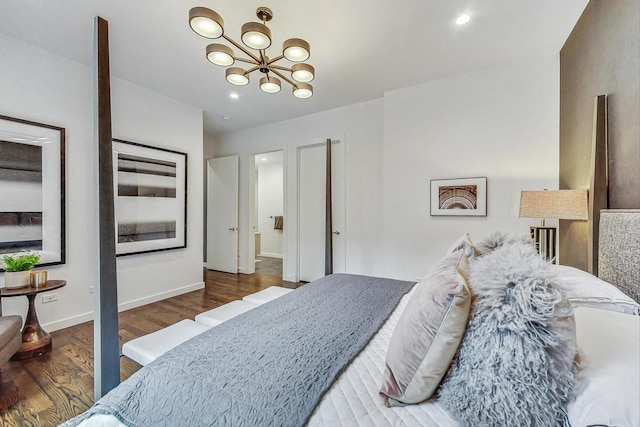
(206, 23)
(237, 76)
(303, 90)
(270, 84)
(296, 50)
(302, 73)
(256, 36)
(220, 54)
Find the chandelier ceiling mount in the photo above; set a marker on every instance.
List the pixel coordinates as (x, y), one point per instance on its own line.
(257, 36)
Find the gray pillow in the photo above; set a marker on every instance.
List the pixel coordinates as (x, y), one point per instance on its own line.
(428, 333)
(515, 366)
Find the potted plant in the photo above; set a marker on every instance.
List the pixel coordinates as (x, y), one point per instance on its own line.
(18, 268)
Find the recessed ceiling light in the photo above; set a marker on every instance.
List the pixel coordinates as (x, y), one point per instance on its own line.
(264, 159)
(233, 95)
(463, 19)
(226, 117)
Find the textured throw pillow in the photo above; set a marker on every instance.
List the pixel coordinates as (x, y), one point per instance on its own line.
(586, 290)
(500, 238)
(515, 365)
(428, 333)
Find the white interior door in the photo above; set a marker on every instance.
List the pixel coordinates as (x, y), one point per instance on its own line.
(311, 209)
(222, 214)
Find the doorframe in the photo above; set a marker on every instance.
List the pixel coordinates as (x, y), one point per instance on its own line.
(307, 144)
(251, 268)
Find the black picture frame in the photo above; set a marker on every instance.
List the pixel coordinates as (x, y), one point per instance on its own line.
(459, 197)
(32, 189)
(150, 192)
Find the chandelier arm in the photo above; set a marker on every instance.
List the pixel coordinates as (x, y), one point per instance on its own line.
(277, 73)
(248, 61)
(263, 56)
(251, 70)
(276, 59)
(278, 67)
(239, 46)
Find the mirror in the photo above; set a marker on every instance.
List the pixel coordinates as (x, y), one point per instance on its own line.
(32, 189)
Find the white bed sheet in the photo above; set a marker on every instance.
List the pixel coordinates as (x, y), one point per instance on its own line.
(609, 344)
(353, 399)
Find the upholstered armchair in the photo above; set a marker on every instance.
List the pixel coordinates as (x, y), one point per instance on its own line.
(10, 337)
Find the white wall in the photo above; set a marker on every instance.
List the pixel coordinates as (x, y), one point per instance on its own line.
(501, 123)
(360, 126)
(270, 202)
(43, 87)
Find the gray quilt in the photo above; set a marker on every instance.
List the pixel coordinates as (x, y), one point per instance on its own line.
(267, 367)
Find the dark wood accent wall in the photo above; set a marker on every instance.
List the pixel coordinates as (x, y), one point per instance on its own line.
(600, 57)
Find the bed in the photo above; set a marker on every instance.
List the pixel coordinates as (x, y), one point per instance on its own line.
(359, 383)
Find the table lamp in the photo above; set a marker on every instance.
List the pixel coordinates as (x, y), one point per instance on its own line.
(560, 204)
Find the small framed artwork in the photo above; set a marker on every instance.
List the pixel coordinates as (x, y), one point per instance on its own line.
(150, 187)
(459, 197)
(32, 189)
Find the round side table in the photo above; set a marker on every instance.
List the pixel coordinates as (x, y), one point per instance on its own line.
(35, 340)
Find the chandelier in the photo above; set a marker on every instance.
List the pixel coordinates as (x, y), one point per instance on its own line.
(208, 24)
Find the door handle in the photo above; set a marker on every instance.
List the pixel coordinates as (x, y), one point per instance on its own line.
(337, 232)
(233, 229)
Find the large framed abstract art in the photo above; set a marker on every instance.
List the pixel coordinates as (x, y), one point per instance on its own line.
(150, 187)
(32, 189)
(459, 197)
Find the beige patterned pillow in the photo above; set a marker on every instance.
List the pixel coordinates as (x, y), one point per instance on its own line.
(428, 333)
(467, 245)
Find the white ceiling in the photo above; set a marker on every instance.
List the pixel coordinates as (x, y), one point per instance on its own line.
(359, 48)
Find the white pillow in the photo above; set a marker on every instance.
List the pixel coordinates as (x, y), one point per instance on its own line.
(586, 290)
(609, 389)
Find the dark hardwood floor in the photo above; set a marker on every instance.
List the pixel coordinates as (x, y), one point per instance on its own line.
(49, 389)
(269, 266)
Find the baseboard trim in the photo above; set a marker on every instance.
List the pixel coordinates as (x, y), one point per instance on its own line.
(68, 322)
(87, 317)
(159, 297)
(270, 255)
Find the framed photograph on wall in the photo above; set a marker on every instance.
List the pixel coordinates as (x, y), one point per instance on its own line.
(150, 188)
(459, 197)
(32, 189)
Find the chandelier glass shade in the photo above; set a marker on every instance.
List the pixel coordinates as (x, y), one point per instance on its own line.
(270, 84)
(237, 76)
(257, 36)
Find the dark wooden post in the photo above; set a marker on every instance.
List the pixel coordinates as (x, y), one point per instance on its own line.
(106, 341)
(599, 186)
(328, 239)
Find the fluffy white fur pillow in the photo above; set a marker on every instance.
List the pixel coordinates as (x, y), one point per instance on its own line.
(500, 238)
(515, 366)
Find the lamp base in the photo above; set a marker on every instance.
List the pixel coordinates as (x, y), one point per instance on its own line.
(545, 240)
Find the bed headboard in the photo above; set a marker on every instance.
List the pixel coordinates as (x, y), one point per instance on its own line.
(619, 249)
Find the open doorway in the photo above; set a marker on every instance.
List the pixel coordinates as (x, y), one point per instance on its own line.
(268, 216)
